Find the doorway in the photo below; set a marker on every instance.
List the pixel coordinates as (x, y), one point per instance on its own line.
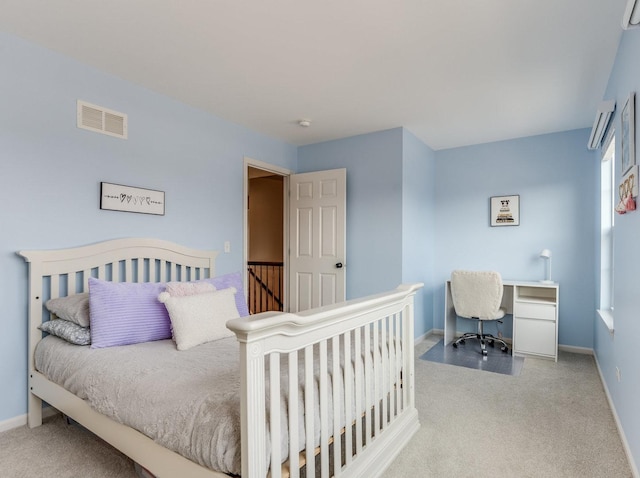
(265, 240)
(294, 241)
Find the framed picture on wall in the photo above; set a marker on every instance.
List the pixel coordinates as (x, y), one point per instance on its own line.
(628, 139)
(117, 197)
(505, 210)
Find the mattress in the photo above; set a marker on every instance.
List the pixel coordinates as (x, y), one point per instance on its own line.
(186, 401)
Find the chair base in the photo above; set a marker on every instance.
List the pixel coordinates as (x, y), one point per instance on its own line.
(484, 339)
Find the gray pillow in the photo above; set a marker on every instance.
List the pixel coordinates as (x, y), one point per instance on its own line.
(74, 308)
(72, 333)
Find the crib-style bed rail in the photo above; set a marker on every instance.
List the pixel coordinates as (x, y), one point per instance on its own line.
(351, 362)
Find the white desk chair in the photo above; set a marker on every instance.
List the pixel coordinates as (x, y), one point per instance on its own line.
(477, 295)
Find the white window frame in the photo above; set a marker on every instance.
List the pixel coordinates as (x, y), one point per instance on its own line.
(607, 221)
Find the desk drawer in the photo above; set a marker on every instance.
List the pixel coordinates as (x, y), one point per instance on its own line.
(534, 311)
(534, 336)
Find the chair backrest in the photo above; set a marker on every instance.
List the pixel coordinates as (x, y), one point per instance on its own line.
(476, 294)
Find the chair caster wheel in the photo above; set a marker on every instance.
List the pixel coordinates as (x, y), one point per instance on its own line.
(484, 352)
(491, 344)
(504, 349)
(455, 345)
(462, 341)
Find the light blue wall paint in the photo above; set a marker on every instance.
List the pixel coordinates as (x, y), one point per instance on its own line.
(50, 173)
(390, 211)
(374, 202)
(554, 176)
(418, 221)
(621, 350)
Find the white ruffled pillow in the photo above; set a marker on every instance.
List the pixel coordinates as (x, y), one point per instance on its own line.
(180, 289)
(200, 318)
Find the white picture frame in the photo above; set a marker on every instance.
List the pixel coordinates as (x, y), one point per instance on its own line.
(505, 210)
(628, 135)
(117, 197)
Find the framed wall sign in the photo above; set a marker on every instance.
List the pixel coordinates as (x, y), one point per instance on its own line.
(628, 139)
(505, 210)
(116, 197)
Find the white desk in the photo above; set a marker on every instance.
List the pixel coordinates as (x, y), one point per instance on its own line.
(534, 306)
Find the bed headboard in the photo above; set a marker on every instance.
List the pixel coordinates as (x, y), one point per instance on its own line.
(57, 273)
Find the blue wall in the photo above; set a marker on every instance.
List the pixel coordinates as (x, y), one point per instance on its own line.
(50, 173)
(374, 203)
(418, 225)
(389, 212)
(554, 175)
(621, 348)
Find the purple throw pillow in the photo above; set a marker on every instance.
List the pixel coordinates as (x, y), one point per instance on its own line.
(232, 280)
(125, 313)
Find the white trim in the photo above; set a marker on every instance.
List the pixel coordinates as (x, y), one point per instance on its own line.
(607, 318)
(423, 337)
(623, 438)
(21, 420)
(285, 173)
(15, 422)
(575, 350)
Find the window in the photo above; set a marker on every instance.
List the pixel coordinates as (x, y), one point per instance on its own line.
(605, 308)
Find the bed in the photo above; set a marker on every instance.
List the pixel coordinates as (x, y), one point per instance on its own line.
(357, 357)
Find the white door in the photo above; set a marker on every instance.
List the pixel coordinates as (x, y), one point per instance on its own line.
(317, 231)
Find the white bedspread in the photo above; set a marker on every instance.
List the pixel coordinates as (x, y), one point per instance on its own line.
(187, 401)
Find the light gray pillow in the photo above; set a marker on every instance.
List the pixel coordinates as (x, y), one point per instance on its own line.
(69, 331)
(74, 308)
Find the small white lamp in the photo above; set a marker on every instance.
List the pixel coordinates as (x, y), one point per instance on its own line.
(546, 254)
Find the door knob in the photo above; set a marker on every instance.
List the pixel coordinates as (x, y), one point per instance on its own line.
(339, 265)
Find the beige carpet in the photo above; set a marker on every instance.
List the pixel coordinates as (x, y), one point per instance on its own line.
(551, 421)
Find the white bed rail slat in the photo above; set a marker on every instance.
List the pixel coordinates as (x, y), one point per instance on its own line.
(376, 399)
(294, 458)
(337, 412)
(163, 271)
(85, 279)
(140, 276)
(54, 287)
(153, 273)
(348, 399)
(359, 388)
(309, 402)
(324, 412)
(274, 413)
(71, 283)
(384, 352)
(399, 402)
(368, 383)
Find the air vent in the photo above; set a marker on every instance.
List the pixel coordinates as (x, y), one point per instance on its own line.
(102, 120)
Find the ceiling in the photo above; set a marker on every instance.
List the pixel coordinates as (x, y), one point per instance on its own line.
(453, 72)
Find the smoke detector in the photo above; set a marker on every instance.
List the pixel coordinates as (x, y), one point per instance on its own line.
(304, 123)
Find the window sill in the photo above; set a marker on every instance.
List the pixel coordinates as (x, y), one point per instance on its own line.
(607, 318)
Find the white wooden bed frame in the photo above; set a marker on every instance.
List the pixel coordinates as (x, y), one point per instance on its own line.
(263, 338)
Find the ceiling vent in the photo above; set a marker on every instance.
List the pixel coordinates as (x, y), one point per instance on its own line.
(102, 120)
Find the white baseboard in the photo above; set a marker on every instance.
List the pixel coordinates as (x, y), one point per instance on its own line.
(424, 336)
(575, 350)
(12, 423)
(21, 420)
(625, 444)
